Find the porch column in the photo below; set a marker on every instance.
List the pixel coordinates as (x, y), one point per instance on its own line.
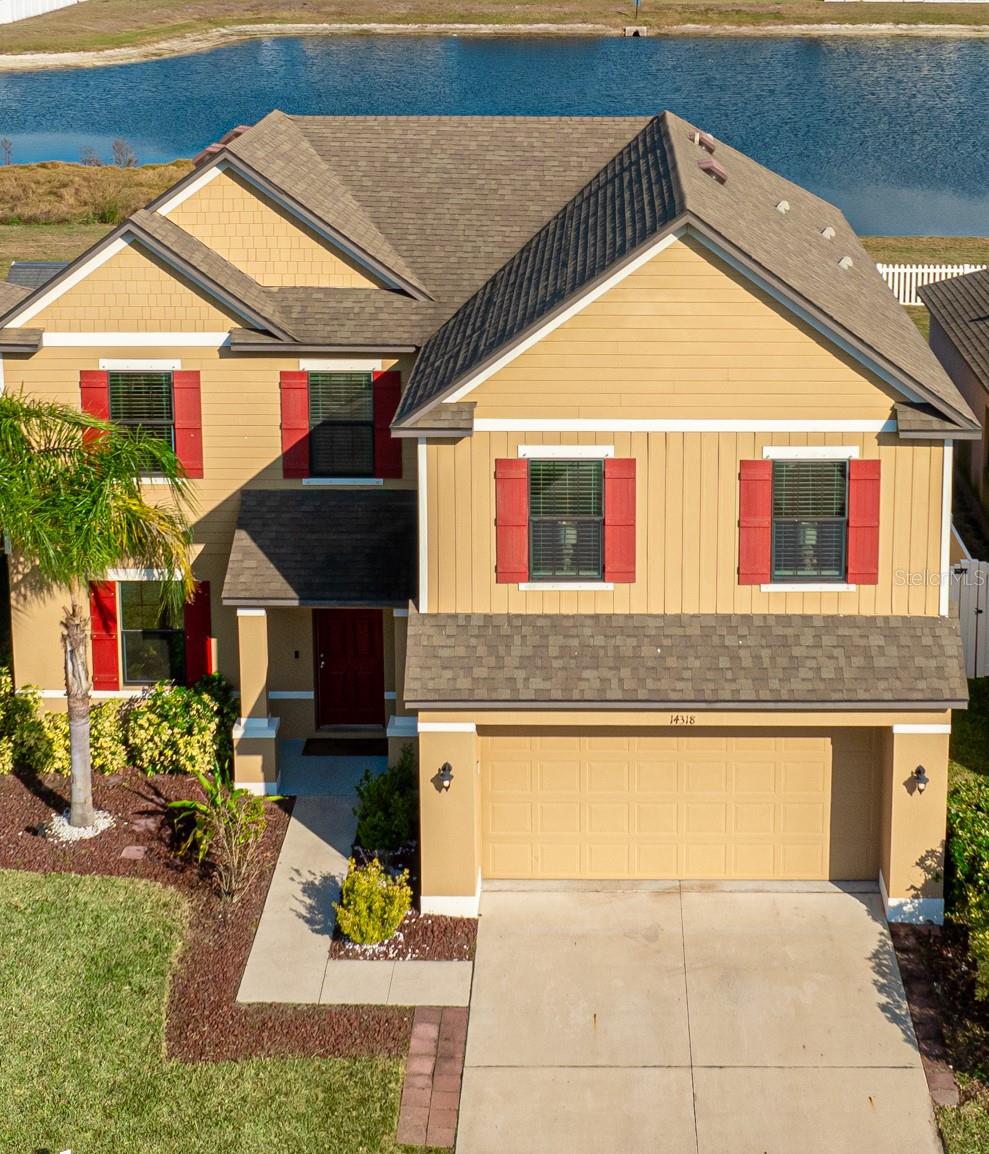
(450, 819)
(256, 731)
(913, 822)
(401, 723)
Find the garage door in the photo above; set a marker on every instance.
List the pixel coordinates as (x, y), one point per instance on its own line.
(758, 805)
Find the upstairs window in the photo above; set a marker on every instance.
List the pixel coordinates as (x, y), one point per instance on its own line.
(152, 640)
(341, 425)
(566, 520)
(144, 400)
(810, 520)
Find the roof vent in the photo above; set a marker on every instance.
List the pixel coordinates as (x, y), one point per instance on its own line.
(703, 140)
(846, 262)
(712, 168)
(828, 233)
(783, 207)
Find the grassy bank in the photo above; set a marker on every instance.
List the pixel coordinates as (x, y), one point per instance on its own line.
(84, 972)
(102, 24)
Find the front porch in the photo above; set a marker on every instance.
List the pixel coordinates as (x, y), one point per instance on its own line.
(321, 584)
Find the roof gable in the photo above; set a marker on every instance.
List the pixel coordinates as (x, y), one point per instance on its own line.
(960, 305)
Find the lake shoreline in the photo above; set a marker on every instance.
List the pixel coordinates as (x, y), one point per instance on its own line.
(199, 42)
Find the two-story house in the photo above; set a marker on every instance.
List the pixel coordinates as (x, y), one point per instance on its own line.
(587, 454)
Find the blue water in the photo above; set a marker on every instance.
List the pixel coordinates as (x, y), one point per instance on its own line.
(893, 130)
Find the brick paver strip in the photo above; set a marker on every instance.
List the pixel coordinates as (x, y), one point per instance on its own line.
(431, 1095)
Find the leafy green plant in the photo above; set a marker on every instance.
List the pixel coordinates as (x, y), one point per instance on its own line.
(172, 729)
(388, 806)
(216, 687)
(372, 902)
(222, 829)
(968, 854)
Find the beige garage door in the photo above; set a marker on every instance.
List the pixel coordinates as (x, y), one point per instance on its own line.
(585, 804)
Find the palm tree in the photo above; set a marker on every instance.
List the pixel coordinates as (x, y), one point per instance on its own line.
(72, 507)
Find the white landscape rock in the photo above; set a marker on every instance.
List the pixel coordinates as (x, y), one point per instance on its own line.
(58, 828)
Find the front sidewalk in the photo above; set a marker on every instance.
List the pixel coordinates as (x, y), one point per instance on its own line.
(289, 960)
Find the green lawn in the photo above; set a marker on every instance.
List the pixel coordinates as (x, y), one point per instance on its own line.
(84, 968)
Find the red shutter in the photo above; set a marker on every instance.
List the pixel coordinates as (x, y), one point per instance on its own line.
(387, 449)
(94, 390)
(755, 522)
(188, 422)
(619, 519)
(198, 643)
(103, 630)
(863, 522)
(295, 424)
(511, 520)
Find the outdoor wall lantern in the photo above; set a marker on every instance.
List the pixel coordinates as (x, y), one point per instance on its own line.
(443, 777)
(921, 778)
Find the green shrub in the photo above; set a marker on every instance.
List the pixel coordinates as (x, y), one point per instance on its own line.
(388, 806)
(224, 829)
(968, 853)
(107, 748)
(172, 729)
(372, 903)
(221, 692)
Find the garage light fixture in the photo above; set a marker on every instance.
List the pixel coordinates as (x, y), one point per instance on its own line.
(443, 777)
(921, 778)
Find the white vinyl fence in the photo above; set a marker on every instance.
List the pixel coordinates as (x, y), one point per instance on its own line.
(905, 279)
(13, 10)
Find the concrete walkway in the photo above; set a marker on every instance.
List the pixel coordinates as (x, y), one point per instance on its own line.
(289, 960)
(690, 1021)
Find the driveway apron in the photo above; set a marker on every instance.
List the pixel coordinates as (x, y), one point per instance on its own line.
(689, 1019)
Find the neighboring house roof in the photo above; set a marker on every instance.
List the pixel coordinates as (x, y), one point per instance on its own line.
(660, 181)
(682, 661)
(33, 273)
(350, 547)
(11, 294)
(960, 306)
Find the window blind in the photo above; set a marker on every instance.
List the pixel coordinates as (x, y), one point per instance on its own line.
(566, 515)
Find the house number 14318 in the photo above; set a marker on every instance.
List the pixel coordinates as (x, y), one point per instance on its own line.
(682, 718)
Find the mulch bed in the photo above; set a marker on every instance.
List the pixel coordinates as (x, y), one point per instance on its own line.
(204, 1021)
(425, 937)
(965, 1018)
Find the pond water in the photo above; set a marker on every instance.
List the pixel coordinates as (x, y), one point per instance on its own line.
(894, 130)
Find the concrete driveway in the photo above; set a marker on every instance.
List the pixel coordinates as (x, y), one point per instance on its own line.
(690, 1019)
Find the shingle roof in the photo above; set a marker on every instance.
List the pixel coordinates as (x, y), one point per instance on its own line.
(961, 307)
(682, 661)
(653, 185)
(31, 274)
(10, 295)
(351, 547)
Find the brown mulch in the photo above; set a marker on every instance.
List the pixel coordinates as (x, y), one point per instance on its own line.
(965, 1018)
(424, 937)
(204, 1022)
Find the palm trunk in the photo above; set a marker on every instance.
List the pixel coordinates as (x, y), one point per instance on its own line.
(75, 634)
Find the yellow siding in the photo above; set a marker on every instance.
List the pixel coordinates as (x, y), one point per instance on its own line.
(683, 336)
(241, 449)
(261, 239)
(687, 527)
(134, 292)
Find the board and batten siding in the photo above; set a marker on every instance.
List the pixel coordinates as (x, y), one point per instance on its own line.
(686, 527)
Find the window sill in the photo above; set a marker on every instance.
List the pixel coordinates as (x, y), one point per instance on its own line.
(343, 482)
(153, 479)
(809, 587)
(566, 586)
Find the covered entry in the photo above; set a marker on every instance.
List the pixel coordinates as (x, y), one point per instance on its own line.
(762, 804)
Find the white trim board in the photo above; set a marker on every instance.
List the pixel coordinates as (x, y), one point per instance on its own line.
(252, 612)
(561, 318)
(913, 911)
(447, 727)
(130, 366)
(194, 186)
(342, 482)
(944, 592)
(258, 788)
(132, 340)
(421, 471)
(673, 425)
(20, 319)
(338, 365)
(566, 586)
(143, 574)
(810, 453)
(910, 727)
(566, 452)
(808, 587)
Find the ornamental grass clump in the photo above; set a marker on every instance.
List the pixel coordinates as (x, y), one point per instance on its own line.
(224, 831)
(373, 903)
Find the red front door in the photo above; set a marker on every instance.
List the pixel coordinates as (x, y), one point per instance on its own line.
(350, 667)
